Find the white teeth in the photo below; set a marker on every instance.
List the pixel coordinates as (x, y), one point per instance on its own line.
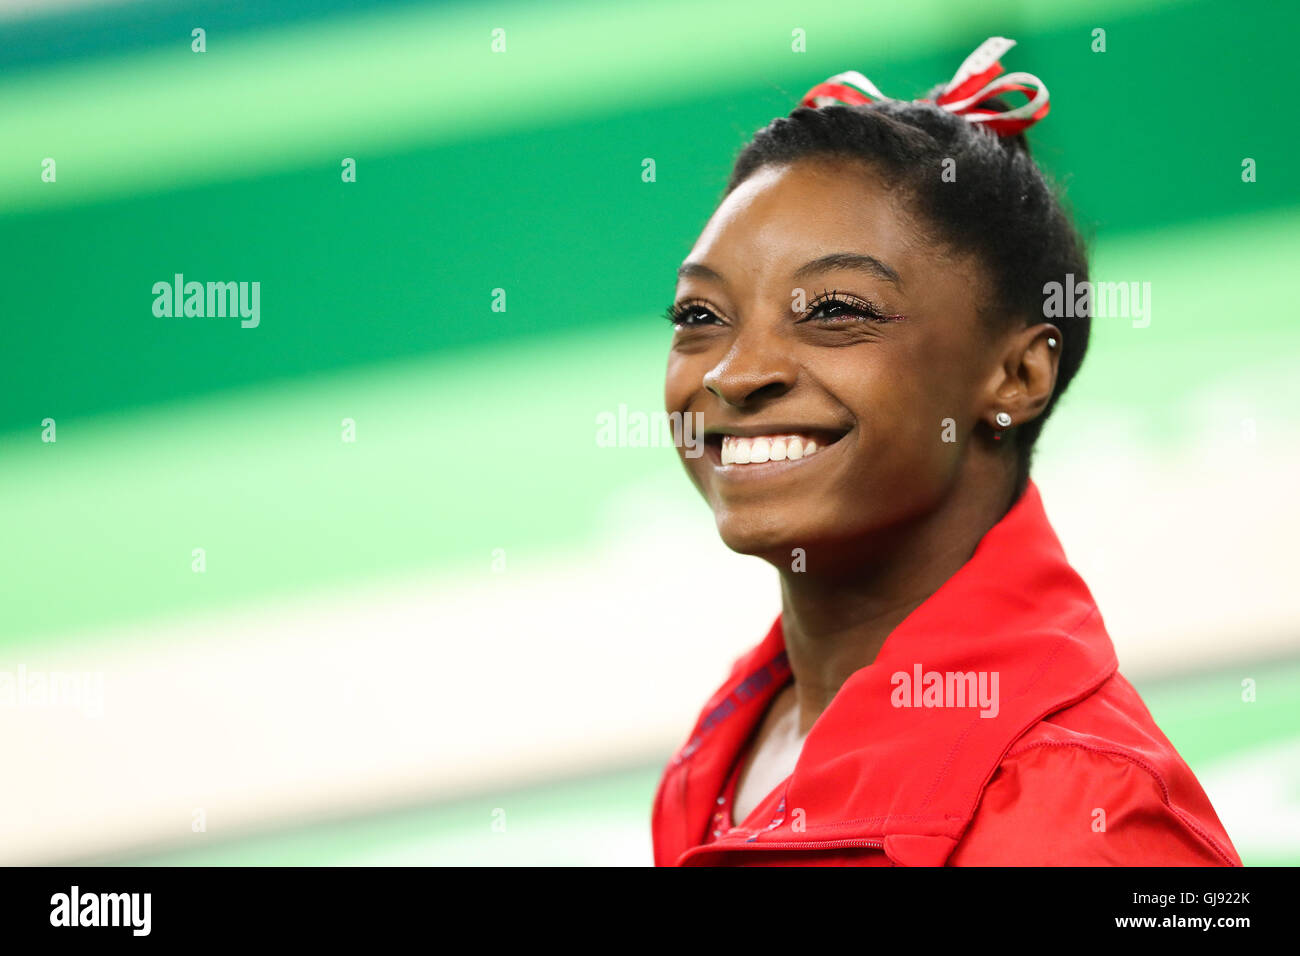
(763, 448)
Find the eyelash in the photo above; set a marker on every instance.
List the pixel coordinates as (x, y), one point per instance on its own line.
(863, 311)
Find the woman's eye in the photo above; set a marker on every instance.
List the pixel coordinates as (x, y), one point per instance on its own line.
(691, 316)
(838, 309)
(833, 310)
(829, 311)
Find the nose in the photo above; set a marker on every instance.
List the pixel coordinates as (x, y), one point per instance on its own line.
(754, 369)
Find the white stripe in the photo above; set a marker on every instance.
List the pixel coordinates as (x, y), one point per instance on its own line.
(1019, 112)
(854, 78)
(985, 55)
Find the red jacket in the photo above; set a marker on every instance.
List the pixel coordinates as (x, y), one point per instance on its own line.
(1068, 769)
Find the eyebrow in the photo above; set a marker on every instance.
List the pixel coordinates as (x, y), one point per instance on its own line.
(834, 260)
(849, 260)
(696, 270)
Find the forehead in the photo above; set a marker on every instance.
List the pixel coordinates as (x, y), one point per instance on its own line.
(785, 215)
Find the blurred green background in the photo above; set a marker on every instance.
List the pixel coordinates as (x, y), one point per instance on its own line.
(1171, 466)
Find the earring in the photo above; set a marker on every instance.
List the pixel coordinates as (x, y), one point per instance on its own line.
(1051, 342)
(1003, 419)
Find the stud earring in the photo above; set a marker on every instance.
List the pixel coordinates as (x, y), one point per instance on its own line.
(1051, 342)
(1003, 419)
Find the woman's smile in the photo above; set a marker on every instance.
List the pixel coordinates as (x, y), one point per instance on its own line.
(760, 453)
(825, 348)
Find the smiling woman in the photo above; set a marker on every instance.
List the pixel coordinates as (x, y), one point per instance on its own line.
(861, 327)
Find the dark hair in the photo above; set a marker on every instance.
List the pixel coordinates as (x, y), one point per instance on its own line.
(1001, 208)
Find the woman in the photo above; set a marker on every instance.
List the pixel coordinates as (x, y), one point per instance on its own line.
(861, 327)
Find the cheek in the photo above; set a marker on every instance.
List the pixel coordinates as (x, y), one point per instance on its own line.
(905, 416)
(684, 377)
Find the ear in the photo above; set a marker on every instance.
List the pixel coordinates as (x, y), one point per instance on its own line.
(1025, 377)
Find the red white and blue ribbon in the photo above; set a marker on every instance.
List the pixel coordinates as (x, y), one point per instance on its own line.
(976, 80)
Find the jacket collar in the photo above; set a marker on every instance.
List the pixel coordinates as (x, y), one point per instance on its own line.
(908, 778)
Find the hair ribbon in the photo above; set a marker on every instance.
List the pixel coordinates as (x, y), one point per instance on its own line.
(977, 79)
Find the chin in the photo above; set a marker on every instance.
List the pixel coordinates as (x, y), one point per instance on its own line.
(842, 537)
(772, 534)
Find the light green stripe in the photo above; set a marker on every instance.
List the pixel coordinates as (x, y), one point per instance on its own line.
(267, 100)
(1215, 320)
(452, 459)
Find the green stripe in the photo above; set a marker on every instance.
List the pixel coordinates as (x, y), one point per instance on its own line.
(273, 99)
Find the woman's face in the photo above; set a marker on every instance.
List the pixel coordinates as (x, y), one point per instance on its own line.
(888, 377)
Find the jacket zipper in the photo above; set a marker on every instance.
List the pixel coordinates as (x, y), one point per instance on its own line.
(783, 844)
(805, 845)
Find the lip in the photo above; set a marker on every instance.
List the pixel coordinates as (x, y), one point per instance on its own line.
(779, 428)
(769, 469)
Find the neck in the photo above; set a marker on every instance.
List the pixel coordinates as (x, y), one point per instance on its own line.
(835, 622)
